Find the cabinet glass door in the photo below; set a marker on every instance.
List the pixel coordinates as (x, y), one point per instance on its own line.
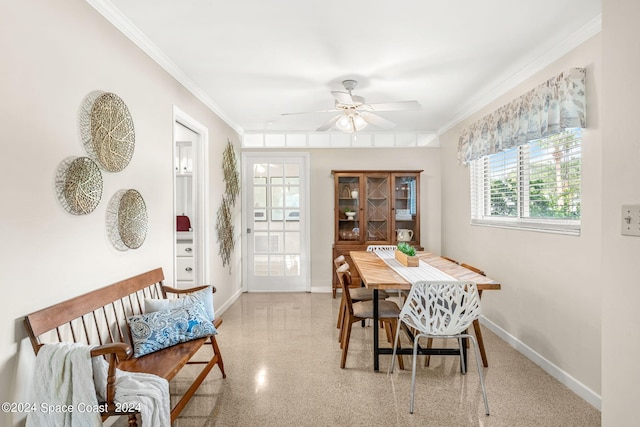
(377, 208)
(349, 214)
(406, 208)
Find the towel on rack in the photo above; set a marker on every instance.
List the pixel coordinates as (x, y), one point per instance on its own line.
(63, 393)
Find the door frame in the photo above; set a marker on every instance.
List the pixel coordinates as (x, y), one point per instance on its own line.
(246, 213)
(200, 180)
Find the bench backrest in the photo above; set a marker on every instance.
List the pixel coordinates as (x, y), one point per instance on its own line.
(97, 317)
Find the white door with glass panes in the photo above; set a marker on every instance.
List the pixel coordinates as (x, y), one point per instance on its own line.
(276, 234)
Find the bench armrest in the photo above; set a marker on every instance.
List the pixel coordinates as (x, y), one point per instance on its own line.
(121, 350)
(114, 352)
(168, 289)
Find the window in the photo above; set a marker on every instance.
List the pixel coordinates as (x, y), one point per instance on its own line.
(533, 186)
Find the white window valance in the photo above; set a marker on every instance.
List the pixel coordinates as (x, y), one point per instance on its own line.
(550, 108)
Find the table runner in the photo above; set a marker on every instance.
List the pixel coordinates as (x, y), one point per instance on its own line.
(412, 275)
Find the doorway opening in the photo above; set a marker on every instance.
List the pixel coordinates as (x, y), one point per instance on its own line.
(190, 201)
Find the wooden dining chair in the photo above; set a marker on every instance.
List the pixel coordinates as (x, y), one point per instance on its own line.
(357, 294)
(388, 312)
(472, 268)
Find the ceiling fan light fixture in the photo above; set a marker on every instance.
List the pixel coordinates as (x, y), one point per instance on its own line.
(359, 122)
(344, 124)
(350, 122)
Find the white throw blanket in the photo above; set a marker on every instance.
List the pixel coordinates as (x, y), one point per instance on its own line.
(144, 392)
(68, 383)
(62, 389)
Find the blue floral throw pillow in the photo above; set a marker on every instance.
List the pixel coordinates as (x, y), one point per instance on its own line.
(161, 329)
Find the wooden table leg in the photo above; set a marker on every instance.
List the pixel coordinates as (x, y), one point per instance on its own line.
(483, 354)
(476, 328)
(376, 362)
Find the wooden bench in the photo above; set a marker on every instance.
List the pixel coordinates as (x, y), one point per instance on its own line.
(100, 317)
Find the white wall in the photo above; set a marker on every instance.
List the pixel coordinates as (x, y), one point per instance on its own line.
(620, 285)
(53, 55)
(549, 306)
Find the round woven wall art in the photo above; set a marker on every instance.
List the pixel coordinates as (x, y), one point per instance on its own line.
(107, 130)
(79, 185)
(127, 220)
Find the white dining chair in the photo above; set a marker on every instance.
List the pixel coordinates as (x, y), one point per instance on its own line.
(373, 248)
(441, 309)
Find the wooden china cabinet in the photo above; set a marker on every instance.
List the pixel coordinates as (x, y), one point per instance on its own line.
(370, 207)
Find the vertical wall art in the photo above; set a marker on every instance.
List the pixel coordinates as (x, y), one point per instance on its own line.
(224, 223)
(225, 229)
(230, 171)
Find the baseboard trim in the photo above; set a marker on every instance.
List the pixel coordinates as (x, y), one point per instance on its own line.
(220, 310)
(574, 385)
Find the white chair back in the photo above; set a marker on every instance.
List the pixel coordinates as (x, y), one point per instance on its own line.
(441, 308)
(373, 248)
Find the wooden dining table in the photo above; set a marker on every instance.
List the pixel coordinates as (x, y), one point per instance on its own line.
(376, 275)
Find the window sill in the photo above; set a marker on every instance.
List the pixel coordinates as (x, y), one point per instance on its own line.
(572, 229)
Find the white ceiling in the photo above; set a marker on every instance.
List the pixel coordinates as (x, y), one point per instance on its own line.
(252, 60)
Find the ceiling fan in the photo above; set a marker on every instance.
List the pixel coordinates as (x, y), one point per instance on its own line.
(355, 114)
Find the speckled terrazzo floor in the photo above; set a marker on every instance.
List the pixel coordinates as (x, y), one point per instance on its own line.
(282, 360)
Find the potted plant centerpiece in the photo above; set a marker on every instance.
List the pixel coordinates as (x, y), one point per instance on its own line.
(406, 255)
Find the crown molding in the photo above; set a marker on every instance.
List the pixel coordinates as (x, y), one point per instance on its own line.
(122, 23)
(587, 31)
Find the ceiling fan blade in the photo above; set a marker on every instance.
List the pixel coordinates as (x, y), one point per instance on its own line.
(396, 106)
(342, 97)
(311, 112)
(376, 120)
(329, 124)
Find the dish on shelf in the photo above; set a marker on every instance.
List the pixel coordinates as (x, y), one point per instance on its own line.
(349, 235)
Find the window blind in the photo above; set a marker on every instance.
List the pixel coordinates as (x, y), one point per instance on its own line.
(535, 185)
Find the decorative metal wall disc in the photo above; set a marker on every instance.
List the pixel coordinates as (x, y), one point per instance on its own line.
(79, 185)
(127, 220)
(107, 131)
